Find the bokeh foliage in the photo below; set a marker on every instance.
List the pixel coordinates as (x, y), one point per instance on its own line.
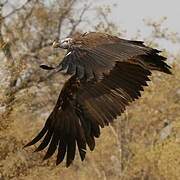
(143, 143)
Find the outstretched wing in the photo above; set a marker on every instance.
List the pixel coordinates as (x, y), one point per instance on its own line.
(63, 128)
(107, 74)
(98, 53)
(83, 107)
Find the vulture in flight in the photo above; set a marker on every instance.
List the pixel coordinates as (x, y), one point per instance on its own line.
(106, 74)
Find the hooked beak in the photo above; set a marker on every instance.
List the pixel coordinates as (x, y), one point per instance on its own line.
(56, 44)
(64, 44)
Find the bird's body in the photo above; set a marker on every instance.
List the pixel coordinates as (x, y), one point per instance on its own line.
(107, 73)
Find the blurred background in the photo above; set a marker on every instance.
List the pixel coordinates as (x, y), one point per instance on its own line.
(144, 143)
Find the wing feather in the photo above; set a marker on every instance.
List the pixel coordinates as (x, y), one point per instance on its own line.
(98, 55)
(107, 74)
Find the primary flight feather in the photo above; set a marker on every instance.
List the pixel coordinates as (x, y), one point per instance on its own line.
(107, 73)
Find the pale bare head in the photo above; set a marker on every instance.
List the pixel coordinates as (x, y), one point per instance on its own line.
(65, 43)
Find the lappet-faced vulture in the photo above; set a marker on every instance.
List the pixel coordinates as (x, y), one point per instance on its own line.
(107, 73)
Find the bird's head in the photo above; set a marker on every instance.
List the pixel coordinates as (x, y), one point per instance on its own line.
(64, 44)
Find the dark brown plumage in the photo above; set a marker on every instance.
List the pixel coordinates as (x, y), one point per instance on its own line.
(107, 73)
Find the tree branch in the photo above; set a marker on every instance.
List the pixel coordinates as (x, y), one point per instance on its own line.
(79, 20)
(63, 16)
(17, 9)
